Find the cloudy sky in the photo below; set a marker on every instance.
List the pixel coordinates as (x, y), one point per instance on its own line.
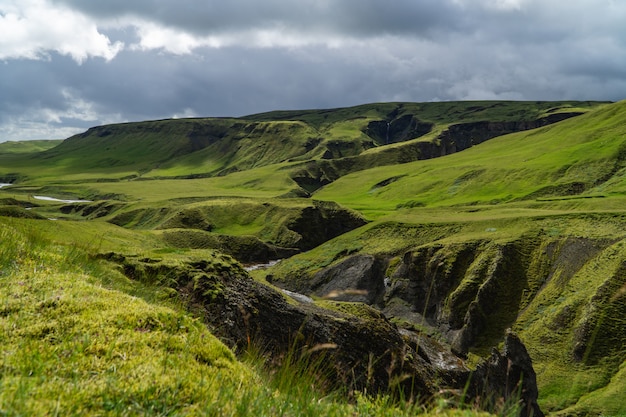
(66, 65)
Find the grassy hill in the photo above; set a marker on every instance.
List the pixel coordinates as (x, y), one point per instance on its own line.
(213, 147)
(580, 157)
(31, 146)
(79, 338)
(500, 214)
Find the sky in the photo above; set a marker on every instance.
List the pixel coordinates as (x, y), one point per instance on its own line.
(67, 65)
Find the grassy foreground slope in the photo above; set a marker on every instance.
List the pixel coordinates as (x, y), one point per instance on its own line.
(75, 343)
(78, 338)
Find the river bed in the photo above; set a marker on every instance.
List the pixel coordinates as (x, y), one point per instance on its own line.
(261, 266)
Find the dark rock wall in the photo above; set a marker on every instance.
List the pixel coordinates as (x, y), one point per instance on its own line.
(357, 279)
(404, 128)
(320, 223)
(360, 353)
(337, 162)
(472, 292)
(507, 377)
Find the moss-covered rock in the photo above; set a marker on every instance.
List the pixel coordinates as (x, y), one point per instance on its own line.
(360, 348)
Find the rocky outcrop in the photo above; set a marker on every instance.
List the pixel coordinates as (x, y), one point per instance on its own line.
(316, 224)
(465, 135)
(364, 352)
(507, 380)
(358, 278)
(470, 292)
(403, 128)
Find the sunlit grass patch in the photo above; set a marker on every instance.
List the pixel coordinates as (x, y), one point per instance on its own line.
(75, 342)
(71, 346)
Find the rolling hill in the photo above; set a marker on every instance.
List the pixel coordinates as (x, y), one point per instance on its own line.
(457, 221)
(192, 148)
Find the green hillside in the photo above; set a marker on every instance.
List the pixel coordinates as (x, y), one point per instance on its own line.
(30, 146)
(457, 221)
(215, 147)
(80, 338)
(580, 157)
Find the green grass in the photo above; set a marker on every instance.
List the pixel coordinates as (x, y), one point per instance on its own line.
(57, 304)
(77, 342)
(557, 314)
(546, 161)
(69, 348)
(608, 397)
(441, 112)
(29, 146)
(210, 146)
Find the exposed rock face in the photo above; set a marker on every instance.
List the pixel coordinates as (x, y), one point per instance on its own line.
(358, 278)
(320, 223)
(465, 135)
(363, 353)
(458, 137)
(508, 376)
(404, 128)
(471, 292)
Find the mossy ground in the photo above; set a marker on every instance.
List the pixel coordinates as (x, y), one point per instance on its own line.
(586, 285)
(78, 338)
(560, 181)
(75, 345)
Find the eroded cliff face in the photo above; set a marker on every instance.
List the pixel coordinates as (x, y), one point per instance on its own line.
(472, 292)
(462, 136)
(564, 295)
(361, 348)
(338, 162)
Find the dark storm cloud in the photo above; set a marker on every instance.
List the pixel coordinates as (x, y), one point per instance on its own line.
(347, 17)
(103, 62)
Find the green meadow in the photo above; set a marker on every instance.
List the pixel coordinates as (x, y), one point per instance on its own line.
(79, 336)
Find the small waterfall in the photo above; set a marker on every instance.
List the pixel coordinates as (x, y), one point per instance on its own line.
(387, 136)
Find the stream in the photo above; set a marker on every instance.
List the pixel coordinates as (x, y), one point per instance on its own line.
(261, 266)
(59, 200)
(46, 198)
